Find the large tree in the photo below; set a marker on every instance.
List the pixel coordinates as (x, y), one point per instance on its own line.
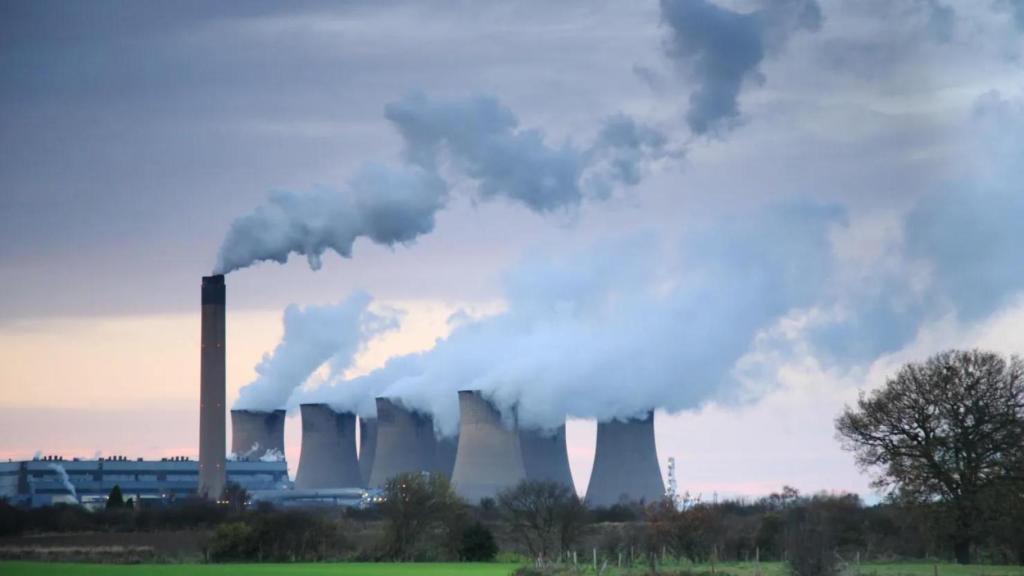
(545, 517)
(946, 431)
(424, 517)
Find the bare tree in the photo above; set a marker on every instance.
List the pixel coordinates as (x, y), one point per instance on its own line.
(544, 516)
(943, 431)
(421, 508)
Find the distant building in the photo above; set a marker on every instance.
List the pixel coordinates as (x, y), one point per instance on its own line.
(53, 480)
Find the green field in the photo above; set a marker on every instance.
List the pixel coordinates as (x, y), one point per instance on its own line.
(456, 569)
(340, 569)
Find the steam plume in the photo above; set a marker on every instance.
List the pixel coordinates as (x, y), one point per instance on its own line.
(720, 49)
(478, 138)
(312, 336)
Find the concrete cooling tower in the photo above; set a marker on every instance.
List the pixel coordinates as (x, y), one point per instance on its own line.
(255, 433)
(444, 461)
(367, 447)
(625, 463)
(328, 458)
(211, 389)
(489, 457)
(405, 443)
(545, 457)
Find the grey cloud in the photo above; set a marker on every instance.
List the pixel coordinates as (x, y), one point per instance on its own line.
(721, 49)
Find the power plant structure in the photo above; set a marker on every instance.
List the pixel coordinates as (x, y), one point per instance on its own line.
(212, 389)
(328, 458)
(256, 435)
(625, 463)
(405, 442)
(489, 458)
(545, 457)
(367, 448)
(444, 458)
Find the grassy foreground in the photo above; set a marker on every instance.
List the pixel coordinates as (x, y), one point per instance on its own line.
(340, 569)
(461, 569)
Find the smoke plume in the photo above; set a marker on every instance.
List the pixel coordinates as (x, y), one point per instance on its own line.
(62, 474)
(720, 49)
(477, 138)
(313, 335)
(615, 331)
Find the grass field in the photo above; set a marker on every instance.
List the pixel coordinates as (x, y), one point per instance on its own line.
(355, 569)
(341, 569)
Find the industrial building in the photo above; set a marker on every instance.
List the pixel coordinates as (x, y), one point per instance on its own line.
(625, 463)
(53, 480)
(489, 457)
(405, 442)
(328, 458)
(256, 435)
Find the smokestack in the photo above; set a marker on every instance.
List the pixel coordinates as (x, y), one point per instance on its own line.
(405, 443)
(367, 447)
(625, 463)
(489, 457)
(444, 460)
(211, 389)
(545, 457)
(328, 458)
(255, 433)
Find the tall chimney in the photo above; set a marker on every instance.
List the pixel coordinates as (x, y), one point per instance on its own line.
(211, 390)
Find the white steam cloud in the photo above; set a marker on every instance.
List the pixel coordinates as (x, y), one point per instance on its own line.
(313, 335)
(477, 138)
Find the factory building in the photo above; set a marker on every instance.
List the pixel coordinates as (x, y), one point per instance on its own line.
(54, 480)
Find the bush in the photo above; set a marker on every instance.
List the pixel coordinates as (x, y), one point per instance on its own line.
(478, 544)
(233, 541)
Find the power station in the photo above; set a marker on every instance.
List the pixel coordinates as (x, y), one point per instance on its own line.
(490, 453)
(256, 435)
(212, 384)
(489, 458)
(328, 458)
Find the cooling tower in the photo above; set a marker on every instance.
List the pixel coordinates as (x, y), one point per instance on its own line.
(625, 463)
(328, 458)
(489, 458)
(211, 389)
(444, 460)
(405, 443)
(367, 447)
(254, 433)
(545, 457)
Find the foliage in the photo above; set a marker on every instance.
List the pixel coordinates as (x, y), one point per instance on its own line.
(115, 500)
(423, 516)
(478, 544)
(948, 430)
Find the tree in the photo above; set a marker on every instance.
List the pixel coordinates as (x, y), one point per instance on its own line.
(236, 496)
(478, 544)
(418, 506)
(944, 431)
(542, 516)
(115, 500)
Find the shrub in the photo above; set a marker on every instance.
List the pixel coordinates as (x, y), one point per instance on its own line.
(478, 544)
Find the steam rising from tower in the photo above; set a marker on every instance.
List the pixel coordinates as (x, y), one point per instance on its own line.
(211, 389)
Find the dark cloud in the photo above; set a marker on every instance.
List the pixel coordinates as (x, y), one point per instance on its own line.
(721, 49)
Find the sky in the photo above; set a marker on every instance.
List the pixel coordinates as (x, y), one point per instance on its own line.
(741, 213)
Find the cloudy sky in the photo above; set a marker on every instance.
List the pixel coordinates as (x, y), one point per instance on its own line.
(739, 212)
